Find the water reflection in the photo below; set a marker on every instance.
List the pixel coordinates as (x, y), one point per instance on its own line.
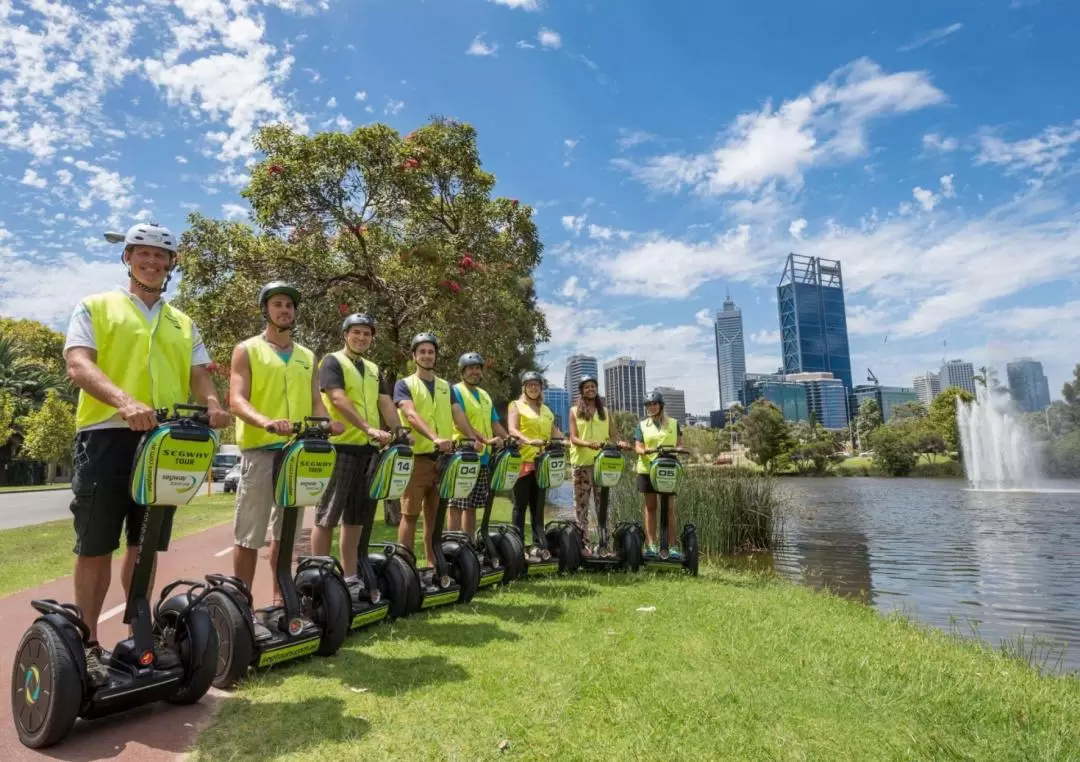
(996, 564)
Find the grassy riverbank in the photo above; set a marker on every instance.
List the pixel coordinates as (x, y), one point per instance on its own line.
(35, 488)
(734, 664)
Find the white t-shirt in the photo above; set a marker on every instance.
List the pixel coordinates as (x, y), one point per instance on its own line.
(80, 333)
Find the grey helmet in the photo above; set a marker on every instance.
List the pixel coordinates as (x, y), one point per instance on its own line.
(586, 379)
(276, 287)
(146, 234)
(425, 337)
(654, 396)
(470, 358)
(358, 318)
(531, 375)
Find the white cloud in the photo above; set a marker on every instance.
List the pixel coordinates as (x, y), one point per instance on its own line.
(524, 5)
(181, 160)
(361, 95)
(630, 138)
(548, 38)
(935, 142)
(601, 233)
(64, 176)
(525, 45)
(766, 336)
(797, 227)
(393, 107)
(927, 199)
(332, 103)
(1042, 154)
(234, 211)
(703, 318)
(934, 35)
(568, 149)
(481, 48)
(828, 124)
(49, 291)
(572, 223)
(947, 189)
(31, 178)
(574, 291)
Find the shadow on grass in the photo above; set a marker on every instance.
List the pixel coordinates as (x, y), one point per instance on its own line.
(520, 612)
(267, 730)
(468, 635)
(557, 588)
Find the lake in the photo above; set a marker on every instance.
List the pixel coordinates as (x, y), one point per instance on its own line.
(1003, 563)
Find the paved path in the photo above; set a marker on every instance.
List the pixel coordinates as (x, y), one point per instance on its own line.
(20, 509)
(157, 732)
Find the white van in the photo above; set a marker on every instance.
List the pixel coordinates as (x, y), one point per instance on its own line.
(227, 456)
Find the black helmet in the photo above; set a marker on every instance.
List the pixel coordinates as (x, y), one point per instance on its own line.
(586, 379)
(469, 358)
(358, 318)
(531, 375)
(424, 338)
(654, 396)
(279, 287)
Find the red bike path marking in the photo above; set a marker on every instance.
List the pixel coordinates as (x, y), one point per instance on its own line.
(153, 733)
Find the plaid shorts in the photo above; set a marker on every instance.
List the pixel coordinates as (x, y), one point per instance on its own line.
(479, 496)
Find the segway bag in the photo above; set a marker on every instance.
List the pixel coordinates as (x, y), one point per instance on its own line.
(551, 470)
(302, 472)
(390, 475)
(665, 473)
(172, 462)
(607, 468)
(458, 476)
(505, 469)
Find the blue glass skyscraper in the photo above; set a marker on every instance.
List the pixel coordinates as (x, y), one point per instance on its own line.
(558, 400)
(813, 322)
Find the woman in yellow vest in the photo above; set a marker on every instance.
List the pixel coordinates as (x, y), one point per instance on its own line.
(590, 428)
(533, 424)
(656, 430)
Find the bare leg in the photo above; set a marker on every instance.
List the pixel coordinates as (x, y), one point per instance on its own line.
(453, 519)
(431, 508)
(406, 531)
(275, 548)
(671, 522)
(244, 562)
(650, 519)
(321, 540)
(350, 536)
(469, 518)
(93, 575)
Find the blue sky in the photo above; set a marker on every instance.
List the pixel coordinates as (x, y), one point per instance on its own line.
(672, 152)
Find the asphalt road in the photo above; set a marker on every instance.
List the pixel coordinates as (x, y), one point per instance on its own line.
(20, 509)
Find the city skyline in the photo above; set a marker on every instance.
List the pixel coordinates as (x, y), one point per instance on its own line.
(730, 353)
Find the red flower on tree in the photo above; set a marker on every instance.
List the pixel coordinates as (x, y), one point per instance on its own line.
(276, 169)
(411, 163)
(514, 202)
(451, 286)
(343, 309)
(466, 263)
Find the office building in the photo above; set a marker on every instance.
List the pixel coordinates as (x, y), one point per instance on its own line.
(813, 321)
(789, 396)
(558, 400)
(886, 397)
(958, 373)
(826, 398)
(1028, 385)
(730, 353)
(927, 386)
(718, 419)
(624, 385)
(674, 402)
(576, 367)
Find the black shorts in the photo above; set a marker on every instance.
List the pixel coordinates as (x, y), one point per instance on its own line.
(102, 506)
(644, 485)
(346, 498)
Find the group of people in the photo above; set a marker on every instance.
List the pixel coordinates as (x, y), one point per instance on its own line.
(129, 352)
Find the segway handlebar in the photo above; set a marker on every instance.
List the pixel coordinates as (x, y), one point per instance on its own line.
(311, 426)
(199, 414)
(667, 450)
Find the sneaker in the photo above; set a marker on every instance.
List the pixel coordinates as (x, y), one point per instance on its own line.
(165, 658)
(674, 554)
(262, 632)
(650, 551)
(97, 673)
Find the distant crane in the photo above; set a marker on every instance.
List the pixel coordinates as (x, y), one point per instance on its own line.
(872, 378)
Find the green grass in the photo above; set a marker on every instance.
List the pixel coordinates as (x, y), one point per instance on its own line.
(34, 555)
(729, 666)
(35, 488)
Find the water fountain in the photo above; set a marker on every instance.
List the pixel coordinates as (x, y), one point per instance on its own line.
(998, 451)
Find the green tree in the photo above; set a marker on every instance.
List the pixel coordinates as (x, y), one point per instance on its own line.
(7, 417)
(906, 410)
(765, 433)
(1070, 391)
(895, 447)
(867, 420)
(816, 456)
(27, 378)
(625, 423)
(704, 443)
(404, 228)
(36, 341)
(49, 431)
(943, 414)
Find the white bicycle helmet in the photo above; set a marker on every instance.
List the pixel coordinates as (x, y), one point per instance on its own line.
(145, 234)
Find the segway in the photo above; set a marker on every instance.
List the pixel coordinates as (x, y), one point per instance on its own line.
(172, 654)
(665, 473)
(556, 549)
(388, 585)
(607, 472)
(499, 549)
(316, 612)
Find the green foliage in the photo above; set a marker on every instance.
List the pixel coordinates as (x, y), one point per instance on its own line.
(7, 417)
(28, 378)
(895, 447)
(943, 414)
(816, 457)
(625, 423)
(765, 434)
(36, 341)
(908, 410)
(867, 420)
(48, 431)
(403, 228)
(704, 443)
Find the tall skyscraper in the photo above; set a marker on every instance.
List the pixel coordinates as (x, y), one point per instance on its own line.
(826, 398)
(958, 373)
(927, 386)
(1028, 384)
(624, 385)
(813, 321)
(576, 367)
(674, 402)
(730, 353)
(558, 400)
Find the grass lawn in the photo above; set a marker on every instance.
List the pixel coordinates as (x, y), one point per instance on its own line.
(728, 666)
(36, 488)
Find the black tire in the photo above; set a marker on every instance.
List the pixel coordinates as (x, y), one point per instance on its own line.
(630, 549)
(510, 559)
(517, 550)
(464, 568)
(565, 543)
(41, 724)
(690, 550)
(331, 609)
(198, 681)
(398, 584)
(236, 647)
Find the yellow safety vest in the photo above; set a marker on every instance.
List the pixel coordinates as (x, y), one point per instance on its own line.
(478, 411)
(654, 436)
(435, 412)
(278, 390)
(533, 425)
(363, 393)
(151, 361)
(592, 430)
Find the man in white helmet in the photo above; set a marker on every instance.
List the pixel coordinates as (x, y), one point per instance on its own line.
(129, 352)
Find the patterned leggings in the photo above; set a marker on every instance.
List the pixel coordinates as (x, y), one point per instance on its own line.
(583, 488)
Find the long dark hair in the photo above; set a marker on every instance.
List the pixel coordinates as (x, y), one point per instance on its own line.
(583, 411)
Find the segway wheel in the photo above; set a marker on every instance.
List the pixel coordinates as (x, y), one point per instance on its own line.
(517, 551)
(690, 551)
(330, 609)
(510, 560)
(397, 583)
(464, 568)
(236, 646)
(630, 549)
(189, 636)
(46, 687)
(566, 542)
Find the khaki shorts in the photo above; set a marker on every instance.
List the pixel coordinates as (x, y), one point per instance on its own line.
(423, 487)
(255, 507)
